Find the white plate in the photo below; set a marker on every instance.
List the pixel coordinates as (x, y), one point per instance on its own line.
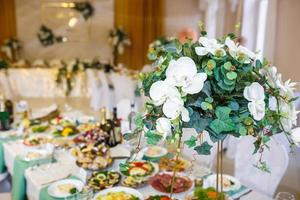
(53, 190)
(155, 166)
(42, 153)
(120, 189)
(163, 152)
(211, 181)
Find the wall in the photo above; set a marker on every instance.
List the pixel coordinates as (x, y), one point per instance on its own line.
(95, 43)
(287, 52)
(181, 14)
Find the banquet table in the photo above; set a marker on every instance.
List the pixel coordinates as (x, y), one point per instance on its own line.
(92, 84)
(36, 179)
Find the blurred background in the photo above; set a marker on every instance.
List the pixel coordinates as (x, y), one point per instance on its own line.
(48, 30)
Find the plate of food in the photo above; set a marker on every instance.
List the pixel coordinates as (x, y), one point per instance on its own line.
(102, 180)
(122, 193)
(139, 168)
(36, 140)
(35, 154)
(229, 182)
(162, 182)
(153, 153)
(169, 164)
(39, 128)
(92, 135)
(209, 193)
(159, 197)
(65, 188)
(134, 181)
(92, 156)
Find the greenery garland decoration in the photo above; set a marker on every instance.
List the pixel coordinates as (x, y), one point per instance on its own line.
(67, 72)
(85, 8)
(218, 87)
(47, 37)
(3, 64)
(119, 39)
(10, 48)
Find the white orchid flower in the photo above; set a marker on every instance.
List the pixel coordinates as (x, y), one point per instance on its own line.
(295, 135)
(183, 73)
(239, 52)
(272, 103)
(174, 107)
(163, 126)
(255, 94)
(160, 91)
(210, 46)
(288, 115)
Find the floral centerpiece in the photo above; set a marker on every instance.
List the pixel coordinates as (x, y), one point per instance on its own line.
(217, 86)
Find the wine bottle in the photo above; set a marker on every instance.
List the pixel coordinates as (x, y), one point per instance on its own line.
(131, 117)
(107, 126)
(117, 126)
(9, 107)
(4, 116)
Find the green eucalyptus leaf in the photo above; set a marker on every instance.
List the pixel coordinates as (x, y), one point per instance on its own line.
(242, 131)
(231, 75)
(233, 105)
(227, 65)
(209, 99)
(203, 149)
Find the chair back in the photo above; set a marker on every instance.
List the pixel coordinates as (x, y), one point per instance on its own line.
(277, 160)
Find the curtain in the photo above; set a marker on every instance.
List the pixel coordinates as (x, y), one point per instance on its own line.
(143, 21)
(7, 20)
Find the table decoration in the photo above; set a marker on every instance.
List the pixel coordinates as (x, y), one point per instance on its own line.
(220, 87)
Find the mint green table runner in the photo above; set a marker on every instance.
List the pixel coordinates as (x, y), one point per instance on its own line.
(2, 161)
(45, 196)
(18, 180)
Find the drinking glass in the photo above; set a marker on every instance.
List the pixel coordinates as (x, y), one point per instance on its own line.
(284, 196)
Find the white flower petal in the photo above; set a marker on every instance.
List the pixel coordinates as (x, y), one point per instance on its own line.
(163, 125)
(230, 44)
(171, 109)
(180, 71)
(295, 135)
(201, 51)
(196, 84)
(254, 92)
(257, 109)
(204, 41)
(272, 103)
(185, 114)
(157, 91)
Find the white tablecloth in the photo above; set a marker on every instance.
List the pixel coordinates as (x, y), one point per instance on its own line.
(44, 174)
(93, 84)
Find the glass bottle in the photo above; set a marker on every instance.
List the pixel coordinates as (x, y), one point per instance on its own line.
(4, 116)
(131, 117)
(117, 126)
(9, 107)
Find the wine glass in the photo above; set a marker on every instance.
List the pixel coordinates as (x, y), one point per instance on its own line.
(284, 196)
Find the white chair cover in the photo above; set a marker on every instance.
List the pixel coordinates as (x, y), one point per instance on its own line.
(99, 89)
(123, 87)
(123, 109)
(276, 157)
(191, 154)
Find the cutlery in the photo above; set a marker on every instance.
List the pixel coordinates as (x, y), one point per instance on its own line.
(49, 182)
